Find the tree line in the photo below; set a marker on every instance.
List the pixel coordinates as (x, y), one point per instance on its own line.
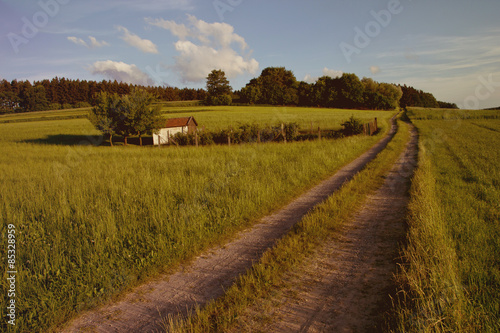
(279, 86)
(59, 93)
(275, 86)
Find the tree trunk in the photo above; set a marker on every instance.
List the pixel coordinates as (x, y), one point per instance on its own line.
(140, 139)
(125, 140)
(111, 139)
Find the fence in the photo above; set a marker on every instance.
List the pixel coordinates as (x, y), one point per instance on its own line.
(370, 128)
(283, 133)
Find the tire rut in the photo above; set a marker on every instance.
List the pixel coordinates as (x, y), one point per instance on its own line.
(346, 286)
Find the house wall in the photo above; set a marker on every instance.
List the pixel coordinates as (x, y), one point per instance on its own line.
(164, 134)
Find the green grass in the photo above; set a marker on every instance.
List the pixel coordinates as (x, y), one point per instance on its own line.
(94, 221)
(44, 115)
(451, 280)
(233, 311)
(220, 117)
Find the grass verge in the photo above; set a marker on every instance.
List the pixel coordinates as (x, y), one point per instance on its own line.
(450, 280)
(265, 279)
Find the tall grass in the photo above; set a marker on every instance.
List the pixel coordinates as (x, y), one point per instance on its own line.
(451, 279)
(93, 221)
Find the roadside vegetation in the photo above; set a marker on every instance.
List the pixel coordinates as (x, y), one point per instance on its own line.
(93, 221)
(450, 278)
(241, 308)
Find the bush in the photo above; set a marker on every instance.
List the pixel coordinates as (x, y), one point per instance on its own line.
(55, 106)
(83, 105)
(353, 126)
(219, 100)
(67, 106)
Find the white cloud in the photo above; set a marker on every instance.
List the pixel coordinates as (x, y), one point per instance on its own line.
(78, 41)
(326, 72)
(144, 45)
(94, 43)
(374, 70)
(178, 30)
(332, 73)
(204, 46)
(310, 79)
(121, 72)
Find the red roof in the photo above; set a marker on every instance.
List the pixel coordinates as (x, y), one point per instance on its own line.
(179, 122)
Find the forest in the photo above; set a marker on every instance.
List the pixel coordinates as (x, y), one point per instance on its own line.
(275, 86)
(62, 93)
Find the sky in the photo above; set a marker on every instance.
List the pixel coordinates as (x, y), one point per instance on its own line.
(450, 48)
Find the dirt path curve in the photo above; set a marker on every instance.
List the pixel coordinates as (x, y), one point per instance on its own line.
(208, 275)
(346, 286)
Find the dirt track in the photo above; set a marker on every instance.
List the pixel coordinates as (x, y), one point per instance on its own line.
(206, 278)
(345, 287)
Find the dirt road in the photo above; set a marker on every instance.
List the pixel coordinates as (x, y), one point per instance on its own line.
(206, 278)
(345, 287)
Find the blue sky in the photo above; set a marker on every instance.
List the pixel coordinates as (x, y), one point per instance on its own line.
(450, 48)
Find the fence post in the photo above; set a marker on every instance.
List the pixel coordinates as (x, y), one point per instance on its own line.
(319, 133)
(258, 136)
(283, 132)
(196, 138)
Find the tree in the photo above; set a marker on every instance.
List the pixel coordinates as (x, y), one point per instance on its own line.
(350, 92)
(143, 117)
(251, 93)
(218, 89)
(127, 115)
(34, 98)
(105, 115)
(8, 101)
(278, 86)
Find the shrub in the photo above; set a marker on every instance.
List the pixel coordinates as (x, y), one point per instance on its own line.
(353, 126)
(55, 106)
(83, 105)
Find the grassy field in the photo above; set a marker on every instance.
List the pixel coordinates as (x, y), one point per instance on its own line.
(92, 221)
(222, 117)
(225, 116)
(451, 280)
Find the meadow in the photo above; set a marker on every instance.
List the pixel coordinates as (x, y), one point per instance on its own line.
(92, 221)
(451, 273)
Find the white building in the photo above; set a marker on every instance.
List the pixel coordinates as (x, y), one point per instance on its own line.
(173, 126)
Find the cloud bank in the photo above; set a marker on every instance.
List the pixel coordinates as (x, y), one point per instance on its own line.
(204, 46)
(121, 72)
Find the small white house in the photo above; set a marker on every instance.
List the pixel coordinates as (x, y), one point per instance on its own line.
(173, 126)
